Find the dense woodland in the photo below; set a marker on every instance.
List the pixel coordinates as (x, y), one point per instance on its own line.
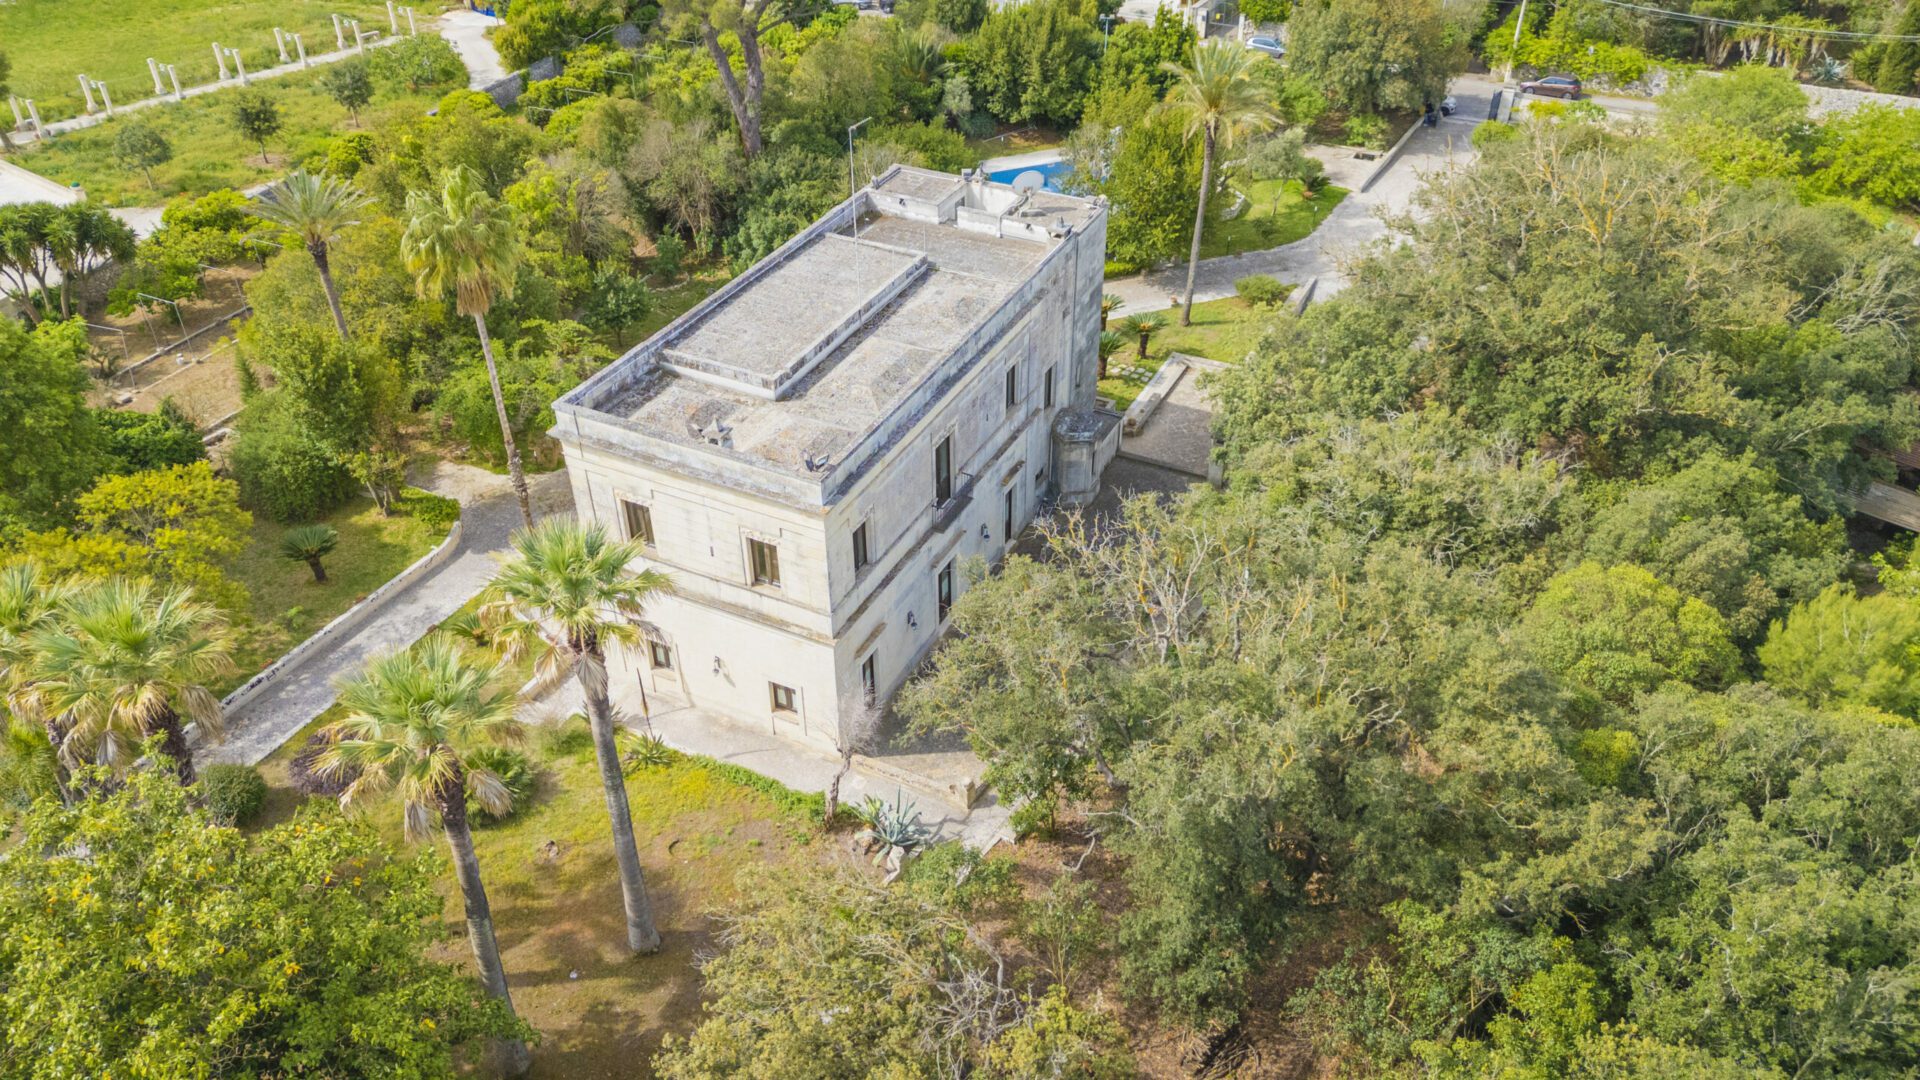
(1520, 705)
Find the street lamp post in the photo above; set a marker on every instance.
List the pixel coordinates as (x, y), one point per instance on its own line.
(1519, 22)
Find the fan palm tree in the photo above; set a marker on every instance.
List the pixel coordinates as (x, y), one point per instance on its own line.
(414, 718)
(317, 210)
(466, 241)
(1111, 341)
(1143, 327)
(30, 603)
(1222, 100)
(128, 660)
(309, 544)
(1109, 303)
(563, 596)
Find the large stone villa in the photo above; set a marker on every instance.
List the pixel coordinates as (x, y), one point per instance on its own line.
(815, 451)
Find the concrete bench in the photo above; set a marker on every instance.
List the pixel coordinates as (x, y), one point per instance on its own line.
(1153, 394)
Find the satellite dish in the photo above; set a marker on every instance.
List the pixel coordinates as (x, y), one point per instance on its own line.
(1031, 180)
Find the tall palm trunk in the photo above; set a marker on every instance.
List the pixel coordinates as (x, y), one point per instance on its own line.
(1199, 219)
(511, 1054)
(506, 429)
(173, 743)
(642, 936)
(55, 737)
(320, 263)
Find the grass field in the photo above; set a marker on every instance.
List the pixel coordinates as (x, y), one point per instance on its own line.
(52, 42)
(288, 605)
(600, 1011)
(1279, 214)
(208, 152)
(1223, 330)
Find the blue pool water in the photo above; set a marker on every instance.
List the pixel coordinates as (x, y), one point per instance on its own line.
(1052, 174)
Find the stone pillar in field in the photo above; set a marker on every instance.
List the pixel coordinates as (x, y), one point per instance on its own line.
(33, 113)
(220, 57)
(153, 69)
(173, 76)
(238, 65)
(14, 104)
(300, 48)
(280, 40)
(86, 89)
(393, 18)
(104, 96)
(339, 38)
(412, 30)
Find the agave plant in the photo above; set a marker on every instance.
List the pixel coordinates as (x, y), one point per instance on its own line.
(1829, 69)
(894, 832)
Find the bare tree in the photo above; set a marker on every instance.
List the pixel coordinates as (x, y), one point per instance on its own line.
(859, 724)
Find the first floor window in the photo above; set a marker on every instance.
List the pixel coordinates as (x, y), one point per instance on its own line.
(1013, 388)
(660, 655)
(639, 521)
(783, 700)
(1007, 525)
(869, 685)
(766, 562)
(943, 471)
(946, 591)
(1046, 398)
(860, 547)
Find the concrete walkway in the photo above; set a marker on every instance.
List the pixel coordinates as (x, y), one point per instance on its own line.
(488, 515)
(1355, 225)
(796, 765)
(1179, 433)
(466, 31)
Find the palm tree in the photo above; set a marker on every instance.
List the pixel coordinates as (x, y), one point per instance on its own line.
(413, 719)
(1144, 327)
(466, 241)
(1222, 99)
(128, 660)
(564, 595)
(1111, 342)
(316, 210)
(30, 603)
(309, 544)
(1109, 303)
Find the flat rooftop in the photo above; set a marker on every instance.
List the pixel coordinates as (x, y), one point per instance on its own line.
(790, 365)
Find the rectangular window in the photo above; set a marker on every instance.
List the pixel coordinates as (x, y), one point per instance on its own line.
(782, 697)
(1047, 390)
(943, 471)
(766, 562)
(639, 521)
(860, 547)
(1013, 387)
(660, 655)
(946, 591)
(868, 684)
(1007, 526)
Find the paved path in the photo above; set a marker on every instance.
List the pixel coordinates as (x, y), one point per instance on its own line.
(1353, 226)
(258, 729)
(1179, 434)
(466, 31)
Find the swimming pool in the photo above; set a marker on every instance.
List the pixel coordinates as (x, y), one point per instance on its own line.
(1052, 174)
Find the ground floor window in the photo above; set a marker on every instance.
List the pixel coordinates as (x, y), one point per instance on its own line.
(660, 655)
(868, 684)
(783, 699)
(946, 591)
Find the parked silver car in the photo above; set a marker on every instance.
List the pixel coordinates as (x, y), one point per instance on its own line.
(1269, 45)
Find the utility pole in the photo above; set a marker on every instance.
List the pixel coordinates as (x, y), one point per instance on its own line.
(851, 128)
(1518, 24)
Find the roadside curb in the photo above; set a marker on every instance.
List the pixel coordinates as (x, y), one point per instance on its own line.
(1387, 160)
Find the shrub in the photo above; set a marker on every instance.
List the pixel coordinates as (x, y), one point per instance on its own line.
(1366, 129)
(425, 60)
(515, 771)
(234, 794)
(1262, 290)
(1490, 132)
(956, 876)
(142, 442)
(437, 512)
(283, 471)
(563, 738)
(309, 781)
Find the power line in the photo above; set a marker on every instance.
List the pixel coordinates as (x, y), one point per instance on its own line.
(1808, 31)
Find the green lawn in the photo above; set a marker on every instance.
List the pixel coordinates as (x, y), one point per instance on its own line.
(1279, 214)
(556, 895)
(208, 153)
(288, 605)
(1223, 330)
(52, 42)
(672, 301)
